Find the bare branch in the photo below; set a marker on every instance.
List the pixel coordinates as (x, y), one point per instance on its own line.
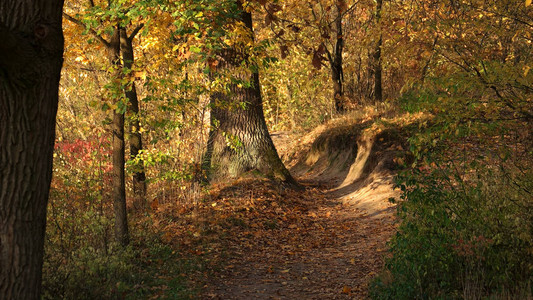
(135, 31)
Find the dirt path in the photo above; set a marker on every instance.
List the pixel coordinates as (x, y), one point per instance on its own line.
(328, 248)
(327, 242)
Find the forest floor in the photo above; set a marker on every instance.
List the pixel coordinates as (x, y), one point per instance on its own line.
(262, 240)
(322, 247)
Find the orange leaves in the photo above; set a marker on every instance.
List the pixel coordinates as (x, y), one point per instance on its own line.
(346, 290)
(212, 63)
(154, 205)
(288, 238)
(269, 18)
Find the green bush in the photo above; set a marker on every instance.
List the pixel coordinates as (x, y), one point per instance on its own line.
(467, 242)
(466, 216)
(87, 270)
(90, 274)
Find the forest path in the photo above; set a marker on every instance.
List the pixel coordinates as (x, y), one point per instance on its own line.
(330, 252)
(324, 243)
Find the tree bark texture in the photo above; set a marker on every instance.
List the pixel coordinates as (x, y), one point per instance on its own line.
(135, 139)
(118, 153)
(31, 56)
(239, 140)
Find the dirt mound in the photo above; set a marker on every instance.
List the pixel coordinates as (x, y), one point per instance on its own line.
(356, 159)
(328, 157)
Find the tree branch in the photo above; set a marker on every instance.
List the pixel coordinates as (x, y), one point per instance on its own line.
(135, 31)
(92, 31)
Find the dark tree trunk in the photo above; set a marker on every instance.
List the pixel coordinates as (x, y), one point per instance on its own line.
(139, 176)
(378, 89)
(31, 55)
(239, 141)
(117, 129)
(336, 65)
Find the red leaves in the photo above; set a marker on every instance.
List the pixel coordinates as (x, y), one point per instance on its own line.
(82, 150)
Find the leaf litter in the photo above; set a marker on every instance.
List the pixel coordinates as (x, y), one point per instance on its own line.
(260, 240)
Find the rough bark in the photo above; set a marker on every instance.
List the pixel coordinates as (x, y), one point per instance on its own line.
(31, 56)
(378, 88)
(135, 138)
(118, 152)
(239, 141)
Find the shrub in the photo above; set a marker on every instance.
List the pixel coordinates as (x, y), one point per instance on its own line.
(466, 210)
(464, 241)
(81, 260)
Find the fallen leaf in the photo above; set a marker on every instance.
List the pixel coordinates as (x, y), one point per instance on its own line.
(346, 289)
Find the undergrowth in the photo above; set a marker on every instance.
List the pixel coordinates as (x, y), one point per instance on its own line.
(466, 213)
(82, 261)
(148, 267)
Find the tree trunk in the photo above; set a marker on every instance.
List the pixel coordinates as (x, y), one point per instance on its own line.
(118, 153)
(336, 66)
(378, 89)
(31, 56)
(117, 129)
(139, 176)
(239, 141)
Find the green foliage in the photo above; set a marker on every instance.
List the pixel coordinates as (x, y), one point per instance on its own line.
(233, 141)
(89, 273)
(466, 211)
(459, 241)
(147, 267)
(414, 102)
